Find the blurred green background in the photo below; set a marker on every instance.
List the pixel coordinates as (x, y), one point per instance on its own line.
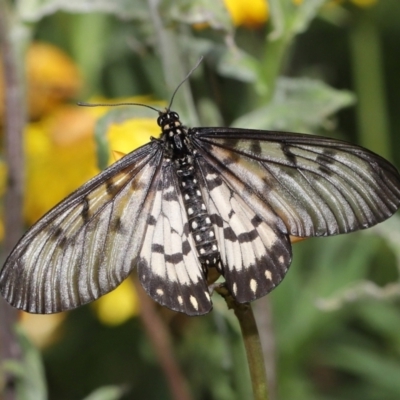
(331, 330)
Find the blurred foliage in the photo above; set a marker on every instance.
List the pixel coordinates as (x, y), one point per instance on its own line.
(292, 65)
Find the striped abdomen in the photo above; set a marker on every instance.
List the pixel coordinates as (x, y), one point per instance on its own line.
(199, 221)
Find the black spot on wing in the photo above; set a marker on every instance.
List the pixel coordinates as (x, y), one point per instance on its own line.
(85, 210)
(63, 243)
(247, 237)
(111, 187)
(58, 232)
(217, 220)
(186, 249)
(232, 142)
(151, 220)
(288, 154)
(157, 248)
(256, 221)
(229, 234)
(117, 226)
(325, 160)
(214, 182)
(255, 148)
(175, 258)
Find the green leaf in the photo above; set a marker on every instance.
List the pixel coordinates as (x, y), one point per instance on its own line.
(110, 392)
(299, 104)
(210, 12)
(373, 367)
(235, 63)
(29, 373)
(307, 11)
(35, 10)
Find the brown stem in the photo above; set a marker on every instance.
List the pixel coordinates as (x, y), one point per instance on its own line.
(13, 128)
(161, 340)
(14, 120)
(252, 343)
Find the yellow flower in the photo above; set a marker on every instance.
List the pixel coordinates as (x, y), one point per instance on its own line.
(61, 153)
(60, 156)
(119, 305)
(250, 13)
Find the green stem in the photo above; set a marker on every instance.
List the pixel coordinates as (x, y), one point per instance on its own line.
(252, 343)
(369, 86)
(170, 53)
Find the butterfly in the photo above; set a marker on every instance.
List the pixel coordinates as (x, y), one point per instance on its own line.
(192, 202)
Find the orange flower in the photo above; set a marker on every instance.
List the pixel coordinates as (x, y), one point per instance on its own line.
(52, 78)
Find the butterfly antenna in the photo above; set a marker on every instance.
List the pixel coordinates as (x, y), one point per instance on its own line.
(83, 104)
(184, 80)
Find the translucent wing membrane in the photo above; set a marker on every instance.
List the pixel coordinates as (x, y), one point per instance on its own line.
(315, 185)
(88, 244)
(255, 253)
(168, 266)
(244, 192)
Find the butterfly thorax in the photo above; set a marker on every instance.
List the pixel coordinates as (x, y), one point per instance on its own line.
(174, 135)
(179, 150)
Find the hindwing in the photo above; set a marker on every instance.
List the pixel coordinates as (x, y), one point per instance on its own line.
(168, 266)
(255, 253)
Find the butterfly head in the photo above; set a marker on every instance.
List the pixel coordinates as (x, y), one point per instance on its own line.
(174, 134)
(168, 121)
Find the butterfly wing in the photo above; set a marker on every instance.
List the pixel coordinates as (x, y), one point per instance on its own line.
(255, 252)
(262, 186)
(87, 244)
(316, 186)
(168, 266)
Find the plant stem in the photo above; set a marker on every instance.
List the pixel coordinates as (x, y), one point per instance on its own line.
(369, 85)
(161, 341)
(14, 124)
(252, 343)
(14, 121)
(170, 53)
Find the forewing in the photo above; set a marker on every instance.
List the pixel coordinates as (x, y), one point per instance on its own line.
(255, 255)
(168, 266)
(87, 244)
(316, 186)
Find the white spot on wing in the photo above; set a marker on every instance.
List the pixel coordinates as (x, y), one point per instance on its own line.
(268, 275)
(281, 259)
(194, 302)
(160, 292)
(234, 288)
(253, 285)
(207, 295)
(180, 300)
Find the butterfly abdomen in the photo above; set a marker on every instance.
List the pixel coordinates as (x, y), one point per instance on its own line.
(200, 225)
